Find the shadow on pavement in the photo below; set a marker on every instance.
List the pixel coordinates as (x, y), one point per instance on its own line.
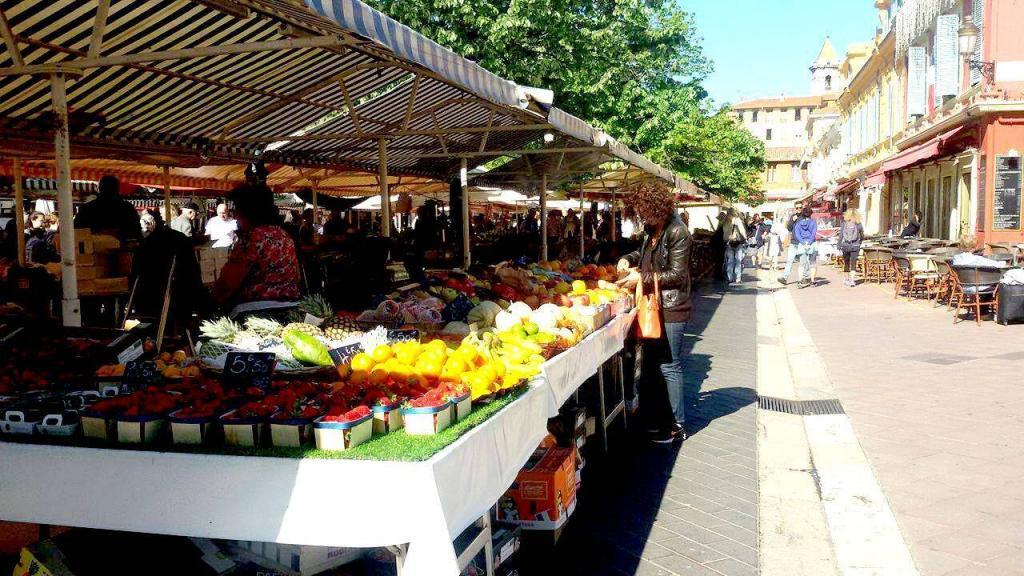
(623, 493)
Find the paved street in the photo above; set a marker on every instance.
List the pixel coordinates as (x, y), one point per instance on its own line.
(931, 406)
(937, 409)
(654, 510)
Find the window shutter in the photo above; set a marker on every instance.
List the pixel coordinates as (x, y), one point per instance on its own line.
(979, 19)
(947, 68)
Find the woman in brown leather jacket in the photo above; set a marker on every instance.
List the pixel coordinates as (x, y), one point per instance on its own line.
(665, 251)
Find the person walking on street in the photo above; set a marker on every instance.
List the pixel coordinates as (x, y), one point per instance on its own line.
(805, 233)
(850, 237)
(735, 234)
(790, 250)
(663, 259)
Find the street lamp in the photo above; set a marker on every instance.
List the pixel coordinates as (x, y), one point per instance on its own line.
(968, 44)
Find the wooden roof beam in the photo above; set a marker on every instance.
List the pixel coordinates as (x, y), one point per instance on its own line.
(379, 135)
(10, 41)
(181, 54)
(98, 28)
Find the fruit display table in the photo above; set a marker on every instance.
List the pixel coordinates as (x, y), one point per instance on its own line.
(566, 372)
(308, 501)
(320, 502)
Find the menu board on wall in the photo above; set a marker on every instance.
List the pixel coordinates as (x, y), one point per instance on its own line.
(917, 81)
(1006, 194)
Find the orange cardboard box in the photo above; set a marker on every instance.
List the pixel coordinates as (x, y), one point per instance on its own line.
(544, 493)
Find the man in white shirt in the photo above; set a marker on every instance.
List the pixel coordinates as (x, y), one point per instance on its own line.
(221, 228)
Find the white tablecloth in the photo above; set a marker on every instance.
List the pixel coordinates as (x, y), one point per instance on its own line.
(568, 371)
(310, 501)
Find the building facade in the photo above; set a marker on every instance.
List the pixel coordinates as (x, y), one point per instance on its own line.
(926, 129)
(786, 124)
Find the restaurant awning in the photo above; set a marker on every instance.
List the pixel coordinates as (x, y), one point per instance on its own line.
(922, 152)
(876, 179)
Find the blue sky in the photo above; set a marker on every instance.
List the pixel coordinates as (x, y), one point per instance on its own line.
(763, 47)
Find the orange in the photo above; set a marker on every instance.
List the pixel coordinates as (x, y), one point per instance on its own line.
(455, 366)
(362, 361)
(379, 376)
(430, 367)
(166, 357)
(406, 355)
(180, 356)
(344, 370)
(437, 345)
(381, 353)
(192, 371)
(358, 377)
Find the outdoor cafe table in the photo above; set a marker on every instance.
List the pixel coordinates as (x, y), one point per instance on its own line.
(419, 506)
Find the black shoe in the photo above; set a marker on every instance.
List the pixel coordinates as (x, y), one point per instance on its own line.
(679, 430)
(666, 436)
(782, 280)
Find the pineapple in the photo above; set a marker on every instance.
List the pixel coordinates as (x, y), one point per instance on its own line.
(222, 329)
(336, 328)
(304, 328)
(263, 326)
(314, 305)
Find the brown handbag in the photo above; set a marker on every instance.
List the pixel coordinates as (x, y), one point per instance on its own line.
(648, 315)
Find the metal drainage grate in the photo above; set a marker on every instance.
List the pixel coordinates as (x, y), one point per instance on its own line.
(800, 407)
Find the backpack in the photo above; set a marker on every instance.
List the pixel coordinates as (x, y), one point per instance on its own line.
(851, 237)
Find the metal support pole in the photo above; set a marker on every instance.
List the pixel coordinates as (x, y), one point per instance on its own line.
(19, 210)
(167, 195)
(71, 306)
(583, 221)
(316, 210)
(613, 214)
(544, 216)
(464, 209)
(385, 198)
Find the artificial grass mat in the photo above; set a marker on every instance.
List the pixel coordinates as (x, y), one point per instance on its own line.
(394, 446)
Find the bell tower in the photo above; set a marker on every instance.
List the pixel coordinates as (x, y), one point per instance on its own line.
(825, 71)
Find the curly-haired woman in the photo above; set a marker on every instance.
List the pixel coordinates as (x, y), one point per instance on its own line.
(665, 252)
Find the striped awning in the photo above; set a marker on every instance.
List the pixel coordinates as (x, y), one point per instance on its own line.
(192, 82)
(593, 160)
(405, 42)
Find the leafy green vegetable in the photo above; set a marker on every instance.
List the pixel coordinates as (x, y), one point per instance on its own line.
(306, 348)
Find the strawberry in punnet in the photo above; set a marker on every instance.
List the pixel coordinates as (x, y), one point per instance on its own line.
(252, 410)
(432, 399)
(353, 414)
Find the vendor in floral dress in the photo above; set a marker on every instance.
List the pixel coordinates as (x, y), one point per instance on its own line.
(262, 271)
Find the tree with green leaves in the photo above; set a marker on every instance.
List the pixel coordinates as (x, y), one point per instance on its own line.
(632, 67)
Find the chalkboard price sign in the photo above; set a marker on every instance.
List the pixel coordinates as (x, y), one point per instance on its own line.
(1006, 194)
(139, 373)
(343, 355)
(242, 369)
(404, 335)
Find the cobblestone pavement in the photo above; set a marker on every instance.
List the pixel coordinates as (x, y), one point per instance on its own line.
(689, 509)
(937, 410)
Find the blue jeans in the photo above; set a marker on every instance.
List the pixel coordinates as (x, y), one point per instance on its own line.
(673, 371)
(790, 258)
(734, 262)
(808, 258)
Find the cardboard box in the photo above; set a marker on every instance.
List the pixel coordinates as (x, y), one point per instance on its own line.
(544, 493)
(111, 284)
(305, 560)
(82, 552)
(104, 243)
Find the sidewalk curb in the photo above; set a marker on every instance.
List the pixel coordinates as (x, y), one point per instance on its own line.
(844, 519)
